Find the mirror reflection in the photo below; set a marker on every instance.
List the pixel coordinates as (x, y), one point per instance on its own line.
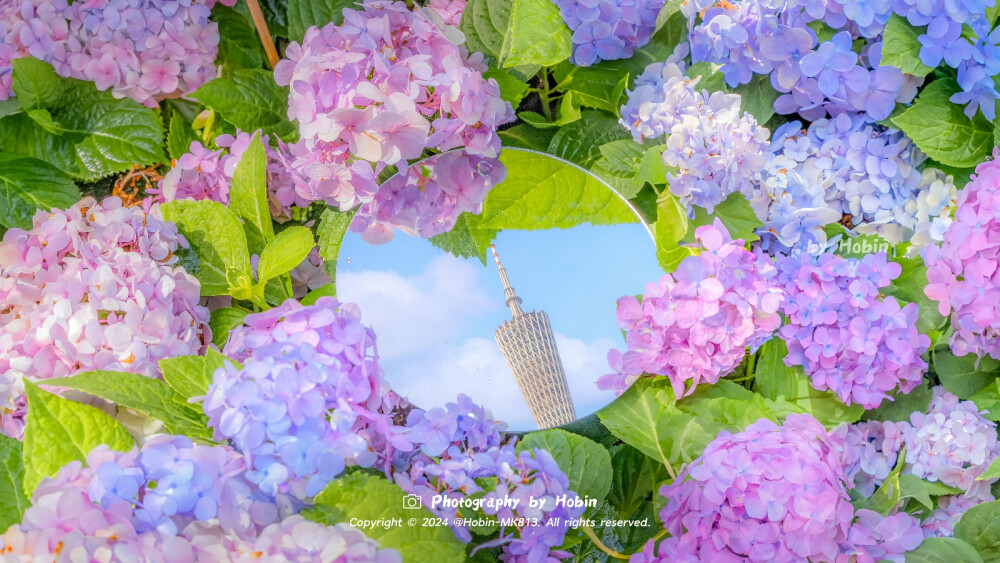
(524, 330)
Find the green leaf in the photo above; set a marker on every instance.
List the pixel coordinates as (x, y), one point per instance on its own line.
(776, 381)
(646, 418)
(152, 397)
(758, 98)
(568, 110)
(545, 192)
(710, 74)
(333, 226)
(901, 47)
(185, 375)
(44, 120)
(223, 321)
(992, 472)
(652, 169)
(729, 405)
(735, 213)
(944, 550)
(911, 486)
(288, 249)
(87, 133)
(466, 239)
(909, 288)
(536, 35)
(586, 463)
(327, 290)
(13, 500)
(980, 527)
(239, 44)
(527, 136)
(216, 236)
(484, 24)
(902, 406)
(59, 431)
(622, 157)
(35, 83)
(887, 496)
(670, 227)
(988, 399)
(180, 136)
(964, 375)
(580, 142)
(619, 165)
(941, 129)
(130, 134)
(593, 87)
(303, 14)
(21, 135)
(248, 195)
(9, 106)
(369, 497)
(512, 88)
(634, 478)
(250, 99)
(27, 185)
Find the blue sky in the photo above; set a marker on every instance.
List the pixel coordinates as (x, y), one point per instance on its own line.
(435, 314)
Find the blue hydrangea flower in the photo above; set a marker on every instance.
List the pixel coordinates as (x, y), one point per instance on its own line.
(605, 30)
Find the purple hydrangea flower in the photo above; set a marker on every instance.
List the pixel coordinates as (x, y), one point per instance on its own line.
(344, 349)
(848, 339)
(605, 30)
(79, 514)
(282, 411)
(950, 509)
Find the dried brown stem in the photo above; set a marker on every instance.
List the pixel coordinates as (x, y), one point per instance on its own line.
(263, 32)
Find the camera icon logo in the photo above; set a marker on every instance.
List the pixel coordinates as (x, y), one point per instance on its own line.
(412, 502)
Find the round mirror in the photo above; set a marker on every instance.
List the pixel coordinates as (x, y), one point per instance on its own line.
(522, 320)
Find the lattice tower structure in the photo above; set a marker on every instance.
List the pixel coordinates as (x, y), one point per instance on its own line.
(529, 346)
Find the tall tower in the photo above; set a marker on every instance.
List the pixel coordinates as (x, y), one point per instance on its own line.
(529, 346)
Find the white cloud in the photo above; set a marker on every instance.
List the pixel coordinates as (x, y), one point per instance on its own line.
(411, 313)
(430, 353)
(584, 362)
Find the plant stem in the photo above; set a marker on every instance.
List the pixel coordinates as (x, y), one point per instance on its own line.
(600, 545)
(543, 93)
(670, 468)
(263, 32)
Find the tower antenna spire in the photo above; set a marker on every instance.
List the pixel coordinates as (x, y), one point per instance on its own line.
(513, 301)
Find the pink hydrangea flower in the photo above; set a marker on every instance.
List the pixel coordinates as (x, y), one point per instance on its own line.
(774, 493)
(96, 286)
(695, 325)
(450, 10)
(962, 272)
(952, 443)
(382, 89)
(428, 198)
(202, 173)
(144, 50)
